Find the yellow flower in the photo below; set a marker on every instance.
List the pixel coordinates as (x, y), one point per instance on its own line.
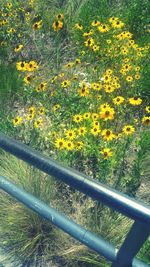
(135, 101)
(88, 33)
(129, 78)
(96, 86)
(60, 16)
(57, 106)
(41, 87)
(18, 48)
(21, 65)
(104, 106)
(83, 91)
(128, 129)
(41, 111)
(146, 120)
(107, 114)
(60, 143)
(86, 115)
(89, 42)
(79, 145)
(113, 19)
(82, 131)
(27, 79)
(137, 76)
(107, 78)
(103, 28)
(118, 100)
(77, 61)
(32, 110)
(95, 23)
(32, 66)
(69, 145)
(106, 152)
(77, 118)
(30, 117)
(65, 83)
(57, 25)
(109, 88)
(95, 130)
(70, 134)
(37, 25)
(95, 116)
(78, 26)
(147, 109)
(38, 123)
(107, 135)
(117, 24)
(95, 48)
(17, 121)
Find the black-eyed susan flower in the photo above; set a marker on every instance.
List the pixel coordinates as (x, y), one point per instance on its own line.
(57, 25)
(86, 115)
(107, 134)
(103, 28)
(117, 24)
(17, 121)
(56, 107)
(95, 130)
(89, 42)
(79, 145)
(118, 100)
(147, 108)
(96, 48)
(128, 129)
(77, 118)
(88, 33)
(30, 117)
(82, 131)
(37, 25)
(79, 26)
(32, 66)
(95, 116)
(146, 120)
(69, 145)
(137, 76)
(106, 152)
(104, 106)
(27, 79)
(38, 123)
(60, 143)
(32, 110)
(18, 48)
(21, 65)
(70, 134)
(135, 101)
(84, 91)
(77, 61)
(107, 114)
(95, 23)
(65, 83)
(41, 111)
(109, 88)
(129, 78)
(60, 16)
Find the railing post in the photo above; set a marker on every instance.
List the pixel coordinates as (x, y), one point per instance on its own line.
(136, 237)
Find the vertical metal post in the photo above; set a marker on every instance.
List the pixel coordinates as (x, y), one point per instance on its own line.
(136, 237)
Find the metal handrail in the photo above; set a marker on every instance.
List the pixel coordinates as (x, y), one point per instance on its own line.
(131, 208)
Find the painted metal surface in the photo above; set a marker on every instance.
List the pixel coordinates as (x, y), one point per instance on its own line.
(87, 238)
(118, 201)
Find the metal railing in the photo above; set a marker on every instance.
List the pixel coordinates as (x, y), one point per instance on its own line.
(136, 210)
